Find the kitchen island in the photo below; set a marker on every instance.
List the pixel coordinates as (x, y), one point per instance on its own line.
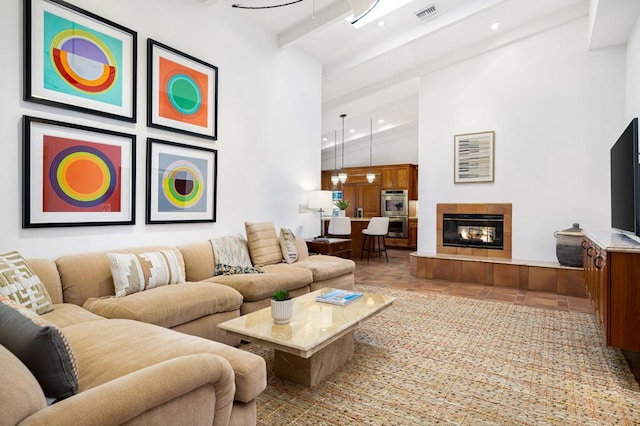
(360, 223)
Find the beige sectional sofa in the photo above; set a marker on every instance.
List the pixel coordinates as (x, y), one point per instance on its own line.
(129, 354)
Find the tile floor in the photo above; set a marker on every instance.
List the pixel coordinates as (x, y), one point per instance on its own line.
(396, 274)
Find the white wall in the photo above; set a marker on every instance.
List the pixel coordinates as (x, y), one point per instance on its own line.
(268, 126)
(633, 72)
(556, 109)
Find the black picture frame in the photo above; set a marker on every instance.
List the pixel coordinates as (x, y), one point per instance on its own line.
(75, 175)
(101, 80)
(193, 109)
(181, 184)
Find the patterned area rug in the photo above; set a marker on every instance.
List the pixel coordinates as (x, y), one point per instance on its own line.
(433, 359)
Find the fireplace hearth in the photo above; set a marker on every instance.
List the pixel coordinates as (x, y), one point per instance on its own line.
(470, 230)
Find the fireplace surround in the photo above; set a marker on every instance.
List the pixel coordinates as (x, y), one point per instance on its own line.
(487, 227)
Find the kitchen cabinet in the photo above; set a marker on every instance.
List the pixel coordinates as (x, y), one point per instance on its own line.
(362, 195)
(367, 195)
(612, 279)
(412, 240)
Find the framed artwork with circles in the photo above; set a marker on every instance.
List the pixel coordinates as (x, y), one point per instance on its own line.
(182, 92)
(181, 182)
(76, 175)
(77, 60)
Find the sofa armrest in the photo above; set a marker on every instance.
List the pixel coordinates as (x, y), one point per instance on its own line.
(124, 399)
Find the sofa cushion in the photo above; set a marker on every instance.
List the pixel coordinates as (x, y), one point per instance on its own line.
(264, 246)
(21, 394)
(288, 245)
(41, 347)
(133, 273)
(85, 275)
(65, 314)
(104, 357)
(326, 267)
(231, 255)
(169, 306)
(20, 284)
(261, 286)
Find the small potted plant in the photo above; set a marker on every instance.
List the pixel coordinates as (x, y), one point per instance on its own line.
(281, 306)
(342, 205)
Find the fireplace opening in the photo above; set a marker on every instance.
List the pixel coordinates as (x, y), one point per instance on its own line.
(473, 230)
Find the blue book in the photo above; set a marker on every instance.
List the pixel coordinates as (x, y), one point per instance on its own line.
(338, 297)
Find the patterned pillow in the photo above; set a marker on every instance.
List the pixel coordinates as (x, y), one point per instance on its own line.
(264, 246)
(19, 283)
(133, 273)
(288, 245)
(231, 255)
(41, 347)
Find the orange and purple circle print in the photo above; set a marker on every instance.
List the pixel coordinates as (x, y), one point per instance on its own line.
(80, 176)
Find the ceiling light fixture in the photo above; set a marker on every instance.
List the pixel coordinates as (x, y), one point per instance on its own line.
(496, 25)
(370, 175)
(361, 8)
(334, 177)
(264, 4)
(342, 175)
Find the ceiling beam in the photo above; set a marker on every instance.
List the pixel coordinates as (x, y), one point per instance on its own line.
(323, 18)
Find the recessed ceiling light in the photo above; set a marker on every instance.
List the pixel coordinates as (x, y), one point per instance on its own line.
(380, 121)
(352, 130)
(324, 139)
(496, 25)
(381, 23)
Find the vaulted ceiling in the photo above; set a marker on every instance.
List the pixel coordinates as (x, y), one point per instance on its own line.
(372, 72)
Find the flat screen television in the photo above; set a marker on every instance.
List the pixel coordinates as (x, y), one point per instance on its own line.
(625, 187)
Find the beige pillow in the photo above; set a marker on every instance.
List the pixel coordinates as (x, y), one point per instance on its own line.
(288, 245)
(19, 283)
(133, 273)
(264, 246)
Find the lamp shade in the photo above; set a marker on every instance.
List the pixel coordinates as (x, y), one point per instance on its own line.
(320, 200)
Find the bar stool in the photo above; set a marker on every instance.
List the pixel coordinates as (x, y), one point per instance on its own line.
(375, 232)
(340, 227)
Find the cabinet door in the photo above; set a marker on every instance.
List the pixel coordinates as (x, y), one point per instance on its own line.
(369, 199)
(402, 178)
(350, 192)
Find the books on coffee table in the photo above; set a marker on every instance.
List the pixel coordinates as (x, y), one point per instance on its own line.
(338, 297)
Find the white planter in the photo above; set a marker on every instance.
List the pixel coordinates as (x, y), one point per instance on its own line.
(341, 213)
(281, 311)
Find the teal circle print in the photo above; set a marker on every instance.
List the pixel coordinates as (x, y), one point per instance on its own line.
(184, 94)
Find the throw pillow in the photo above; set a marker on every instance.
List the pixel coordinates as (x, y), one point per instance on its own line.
(19, 283)
(264, 246)
(231, 255)
(41, 347)
(133, 273)
(288, 245)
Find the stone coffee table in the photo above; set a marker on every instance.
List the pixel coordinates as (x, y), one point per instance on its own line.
(318, 338)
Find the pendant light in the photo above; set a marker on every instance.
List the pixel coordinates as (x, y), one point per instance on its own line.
(370, 175)
(334, 176)
(342, 175)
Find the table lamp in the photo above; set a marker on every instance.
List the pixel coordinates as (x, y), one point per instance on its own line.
(321, 201)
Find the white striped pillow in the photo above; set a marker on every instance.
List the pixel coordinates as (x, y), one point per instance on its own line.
(133, 273)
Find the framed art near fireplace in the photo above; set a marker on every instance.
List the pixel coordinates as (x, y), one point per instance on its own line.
(474, 157)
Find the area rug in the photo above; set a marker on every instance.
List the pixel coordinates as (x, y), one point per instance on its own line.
(434, 359)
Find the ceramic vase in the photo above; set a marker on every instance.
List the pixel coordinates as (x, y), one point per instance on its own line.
(281, 311)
